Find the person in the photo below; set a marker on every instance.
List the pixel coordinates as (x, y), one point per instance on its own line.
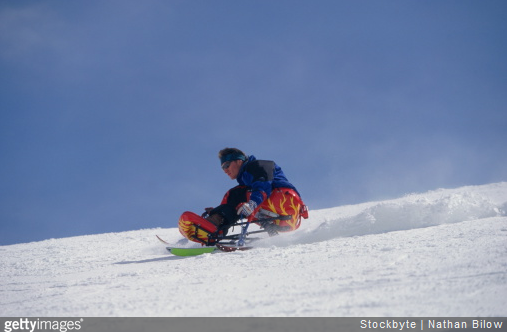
(257, 181)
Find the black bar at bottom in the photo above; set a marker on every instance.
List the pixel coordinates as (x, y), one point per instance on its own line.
(257, 324)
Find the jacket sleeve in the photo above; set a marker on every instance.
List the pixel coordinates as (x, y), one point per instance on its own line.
(259, 176)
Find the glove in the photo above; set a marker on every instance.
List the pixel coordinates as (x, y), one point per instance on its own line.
(207, 211)
(246, 209)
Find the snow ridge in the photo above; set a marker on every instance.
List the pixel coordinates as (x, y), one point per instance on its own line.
(413, 212)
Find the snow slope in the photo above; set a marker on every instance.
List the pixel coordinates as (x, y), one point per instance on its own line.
(440, 253)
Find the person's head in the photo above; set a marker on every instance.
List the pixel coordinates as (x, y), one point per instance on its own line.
(231, 160)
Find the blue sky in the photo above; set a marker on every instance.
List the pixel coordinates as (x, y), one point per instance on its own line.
(112, 112)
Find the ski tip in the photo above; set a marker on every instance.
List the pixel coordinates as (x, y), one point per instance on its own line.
(161, 240)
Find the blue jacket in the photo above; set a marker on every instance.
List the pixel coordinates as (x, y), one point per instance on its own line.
(262, 176)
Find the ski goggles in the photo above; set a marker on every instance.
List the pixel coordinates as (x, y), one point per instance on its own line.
(226, 165)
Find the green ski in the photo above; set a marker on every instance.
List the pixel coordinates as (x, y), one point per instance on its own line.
(191, 251)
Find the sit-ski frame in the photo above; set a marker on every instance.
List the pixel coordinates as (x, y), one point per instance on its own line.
(239, 239)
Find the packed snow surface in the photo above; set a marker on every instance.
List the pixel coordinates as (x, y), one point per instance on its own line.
(440, 253)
